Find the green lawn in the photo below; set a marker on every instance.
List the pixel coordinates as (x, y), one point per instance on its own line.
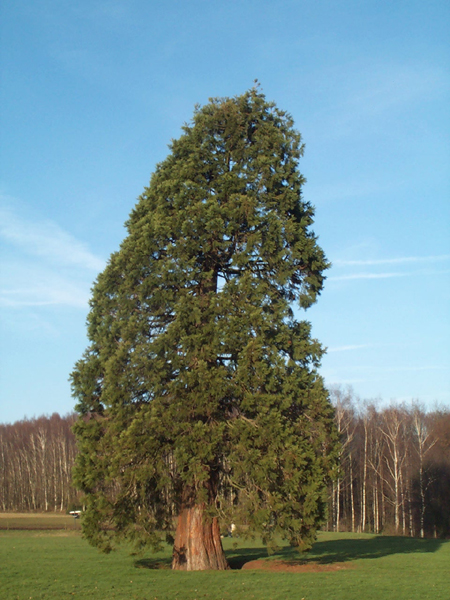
(60, 564)
(38, 521)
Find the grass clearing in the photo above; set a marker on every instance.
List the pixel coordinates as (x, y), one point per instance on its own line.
(54, 565)
(41, 521)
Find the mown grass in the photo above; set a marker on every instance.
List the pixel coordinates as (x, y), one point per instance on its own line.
(38, 521)
(57, 565)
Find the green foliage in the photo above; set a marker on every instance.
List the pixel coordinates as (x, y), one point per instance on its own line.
(199, 385)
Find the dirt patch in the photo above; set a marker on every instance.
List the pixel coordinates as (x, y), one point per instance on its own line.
(282, 566)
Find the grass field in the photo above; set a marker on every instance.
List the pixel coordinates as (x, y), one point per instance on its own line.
(54, 565)
(38, 521)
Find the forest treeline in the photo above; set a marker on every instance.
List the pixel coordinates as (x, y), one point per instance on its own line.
(394, 474)
(36, 460)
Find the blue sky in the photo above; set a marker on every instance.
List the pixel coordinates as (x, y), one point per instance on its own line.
(92, 93)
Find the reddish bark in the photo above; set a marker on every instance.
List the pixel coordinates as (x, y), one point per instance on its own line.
(198, 546)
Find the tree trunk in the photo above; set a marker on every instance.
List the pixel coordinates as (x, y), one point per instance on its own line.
(333, 507)
(364, 481)
(422, 500)
(352, 495)
(338, 503)
(198, 546)
(377, 506)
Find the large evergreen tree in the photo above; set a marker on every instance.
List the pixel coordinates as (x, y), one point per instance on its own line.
(198, 397)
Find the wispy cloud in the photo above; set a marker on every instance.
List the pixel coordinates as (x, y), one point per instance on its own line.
(26, 285)
(388, 85)
(410, 369)
(366, 276)
(391, 261)
(372, 94)
(320, 193)
(46, 239)
(345, 272)
(42, 264)
(349, 347)
(337, 381)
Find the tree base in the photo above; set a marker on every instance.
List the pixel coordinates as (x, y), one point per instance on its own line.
(198, 546)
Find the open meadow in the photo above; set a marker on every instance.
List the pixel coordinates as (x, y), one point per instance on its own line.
(55, 564)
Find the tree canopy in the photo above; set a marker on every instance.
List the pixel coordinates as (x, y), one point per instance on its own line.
(198, 396)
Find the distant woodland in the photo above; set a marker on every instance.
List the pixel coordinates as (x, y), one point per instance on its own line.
(36, 460)
(394, 469)
(394, 474)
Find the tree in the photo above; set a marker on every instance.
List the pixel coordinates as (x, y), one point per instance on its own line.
(198, 397)
(36, 459)
(393, 429)
(345, 424)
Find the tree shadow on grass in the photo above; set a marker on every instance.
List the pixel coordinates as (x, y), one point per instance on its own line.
(322, 553)
(337, 551)
(153, 563)
(377, 547)
(239, 556)
(236, 559)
